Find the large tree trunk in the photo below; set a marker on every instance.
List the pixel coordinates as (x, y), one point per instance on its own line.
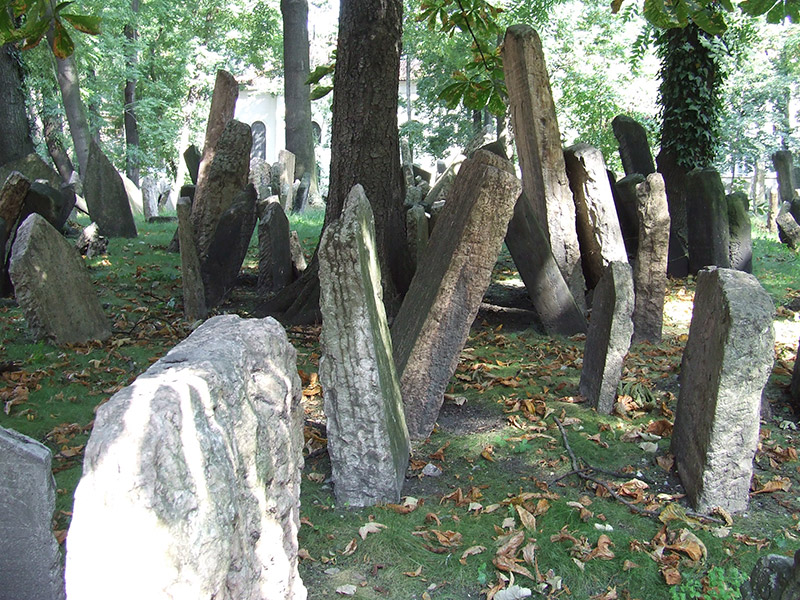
(296, 67)
(13, 117)
(131, 125)
(53, 129)
(68, 82)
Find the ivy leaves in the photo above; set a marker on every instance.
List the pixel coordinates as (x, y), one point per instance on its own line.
(28, 21)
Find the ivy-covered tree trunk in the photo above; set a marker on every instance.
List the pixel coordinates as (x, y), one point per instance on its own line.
(13, 116)
(131, 125)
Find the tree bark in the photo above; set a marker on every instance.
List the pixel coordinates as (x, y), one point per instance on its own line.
(131, 124)
(13, 118)
(69, 84)
(53, 129)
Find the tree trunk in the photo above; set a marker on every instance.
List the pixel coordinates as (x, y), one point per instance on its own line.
(68, 82)
(131, 125)
(296, 65)
(53, 127)
(13, 118)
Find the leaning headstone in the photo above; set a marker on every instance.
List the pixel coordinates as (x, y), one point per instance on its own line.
(788, 228)
(228, 247)
(441, 189)
(368, 440)
(741, 242)
(150, 192)
(626, 203)
(90, 243)
(298, 258)
(650, 267)
(53, 287)
(49, 202)
(417, 232)
(134, 196)
(774, 577)
(5, 282)
(194, 299)
(301, 195)
(274, 251)
(106, 197)
(707, 219)
(12, 198)
(783, 162)
(223, 106)
(598, 227)
(286, 162)
(260, 177)
(634, 149)
(192, 157)
(725, 367)
(191, 476)
(609, 337)
(30, 559)
(541, 158)
(446, 291)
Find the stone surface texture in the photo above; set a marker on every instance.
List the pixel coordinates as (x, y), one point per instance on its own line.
(274, 251)
(624, 192)
(432, 324)
(443, 186)
(783, 162)
(223, 107)
(788, 228)
(286, 163)
(368, 441)
(634, 149)
(774, 577)
(30, 559)
(609, 337)
(740, 251)
(707, 220)
(191, 476)
(192, 157)
(417, 232)
(106, 197)
(725, 366)
(194, 297)
(53, 287)
(12, 198)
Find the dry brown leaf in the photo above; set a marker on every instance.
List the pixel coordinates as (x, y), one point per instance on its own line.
(778, 484)
(371, 527)
(303, 554)
(665, 462)
(448, 539)
(662, 428)
(504, 563)
(433, 517)
(603, 550)
(596, 439)
(487, 453)
(689, 544)
(439, 454)
(671, 575)
(610, 594)
(627, 565)
(471, 551)
(350, 548)
(413, 573)
(529, 553)
(542, 506)
(723, 514)
(509, 545)
(527, 519)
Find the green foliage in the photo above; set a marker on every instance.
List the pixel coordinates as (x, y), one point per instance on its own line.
(27, 22)
(718, 583)
(317, 75)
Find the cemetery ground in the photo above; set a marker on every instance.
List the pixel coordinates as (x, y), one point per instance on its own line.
(519, 480)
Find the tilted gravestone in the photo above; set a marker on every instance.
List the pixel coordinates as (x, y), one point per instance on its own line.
(223, 107)
(5, 282)
(650, 267)
(191, 476)
(192, 157)
(707, 220)
(274, 251)
(150, 192)
(106, 197)
(740, 251)
(194, 297)
(286, 163)
(599, 233)
(774, 577)
(301, 196)
(432, 324)
(260, 177)
(90, 243)
(417, 232)
(626, 205)
(441, 189)
(634, 149)
(30, 559)
(609, 337)
(725, 366)
(54, 205)
(368, 441)
(541, 158)
(53, 287)
(788, 228)
(783, 162)
(298, 258)
(12, 198)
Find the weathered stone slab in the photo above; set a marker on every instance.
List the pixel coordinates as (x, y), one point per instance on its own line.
(553, 302)
(106, 197)
(150, 192)
(194, 298)
(417, 232)
(191, 477)
(725, 366)
(740, 251)
(223, 107)
(626, 204)
(228, 247)
(261, 177)
(368, 440)
(707, 220)
(773, 577)
(274, 251)
(32, 167)
(650, 268)
(634, 149)
(30, 559)
(441, 189)
(788, 228)
(301, 195)
(5, 282)
(299, 263)
(783, 162)
(597, 224)
(609, 337)
(12, 198)
(286, 163)
(53, 287)
(49, 202)
(541, 158)
(445, 293)
(90, 243)
(192, 157)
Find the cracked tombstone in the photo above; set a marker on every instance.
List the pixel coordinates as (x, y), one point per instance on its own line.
(707, 220)
(191, 476)
(274, 251)
(367, 435)
(446, 291)
(724, 369)
(609, 337)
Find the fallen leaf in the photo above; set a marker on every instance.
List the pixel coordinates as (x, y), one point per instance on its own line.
(487, 453)
(509, 545)
(610, 594)
(434, 518)
(529, 553)
(603, 550)
(689, 544)
(371, 527)
(505, 563)
(413, 573)
(448, 539)
(724, 514)
(665, 462)
(662, 428)
(671, 575)
(316, 477)
(439, 454)
(527, 519)
(627, 565)
(303, 554)
(350, 548)
(596, 439)
(778, 484)
(471, 551)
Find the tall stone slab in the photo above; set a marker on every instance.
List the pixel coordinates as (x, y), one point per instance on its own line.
(725, 367)
(192, 158)
(442, 188)
(106, 197)
(783, 162)
(609, 337)
(219, 184)
(223, 106)
(301, 195)
(599, 233)
(274, 251)
(191, 476)
(707, 216)
(740, 251)
(53, 287)
(299, 263)
(788, 228)
(368, 439)
(150, 192)
(286, 163)
(552, 300)
(194, 297)
(625, 201)
(261, 177)
(12, 198)
(544, 177)
(650, 267)
(446, 291)
(30, 559)
(417, 232)
(32, 168)
(634, 148)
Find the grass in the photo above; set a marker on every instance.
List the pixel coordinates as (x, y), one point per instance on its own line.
(497, 445)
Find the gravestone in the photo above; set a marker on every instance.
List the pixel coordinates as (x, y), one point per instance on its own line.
(609, 337)
(30, 559)
(219, 184)
(772, 211)
(417, 232)
(298, 257)
(707, 220)
(634, 149)
(441, 189)
(301, 195)
(53, 287)
(552, 300)
(134, 196)
(788, 228)
(259, 149)
(725, 366)
(223, 106)
(191, 476)
(260, 177)
(228, 247)
(192, 158)
(432, 324)
(774, 577)
(90, 243)
(274, 251)
(599, 233)
(421, 175)
(194, 299)
(650, 267)
(12, 198)
(51, 203)
(741, 243)
(286, 163)
(541, 158)
(150, 192)
(368, 441)
(627, 212)
(782, 160)
(406, 165)
(106, 197)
